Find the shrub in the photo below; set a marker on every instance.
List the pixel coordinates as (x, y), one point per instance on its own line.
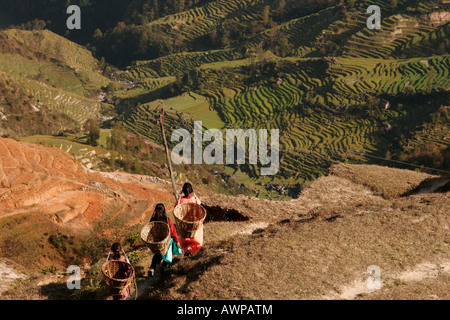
(133, 238)
(93, 130)
(135, 256)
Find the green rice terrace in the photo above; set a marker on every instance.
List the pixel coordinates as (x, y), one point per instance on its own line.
(336, 90)
(366, 97)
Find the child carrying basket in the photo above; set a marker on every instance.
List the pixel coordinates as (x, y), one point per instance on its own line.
(118, 273)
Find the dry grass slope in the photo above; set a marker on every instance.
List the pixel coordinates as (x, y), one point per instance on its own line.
(320, 245)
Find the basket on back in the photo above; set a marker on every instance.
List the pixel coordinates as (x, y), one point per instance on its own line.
(156, 235)
(189, 218)
(118, 275)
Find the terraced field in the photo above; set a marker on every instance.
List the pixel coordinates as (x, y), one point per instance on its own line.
(54, 59)
(396, 32)
(144, 121)
(317, 102)
(200, 21)
(57, 73)
(420, 45)
(75, 106)
(174, 64)
(90, 157)
(337, 91)
(352, 76)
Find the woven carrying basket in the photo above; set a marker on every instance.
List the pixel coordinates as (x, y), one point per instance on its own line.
(189, 218)
(156, 235)
(115, 275)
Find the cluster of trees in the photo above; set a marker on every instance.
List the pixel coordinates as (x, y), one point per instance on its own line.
(126, 43)
(428, 153)
(124, 150)
(93, 131)
(233, 33)
(142, 12)
(131, 153)
(116, 20)
(278, 44)
(116, 29)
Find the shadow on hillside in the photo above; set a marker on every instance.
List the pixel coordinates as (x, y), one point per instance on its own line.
(431, 185)
(56, 291)
(198, 269)
(164, 284)
(217, 213)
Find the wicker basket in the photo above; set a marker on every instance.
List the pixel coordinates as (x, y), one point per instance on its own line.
(118, 275)
(156, 235)
(189, 218)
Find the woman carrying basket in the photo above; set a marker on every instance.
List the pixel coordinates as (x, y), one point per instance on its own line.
(190, 245)
(161, 215)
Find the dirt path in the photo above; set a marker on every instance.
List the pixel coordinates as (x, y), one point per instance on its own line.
(425, 270)
(143, 287)
(9, 273)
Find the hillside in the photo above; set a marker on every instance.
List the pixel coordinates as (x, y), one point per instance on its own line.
(320, 243)
(364, 145)
(46, 194)
(47, 79)
(335, 90)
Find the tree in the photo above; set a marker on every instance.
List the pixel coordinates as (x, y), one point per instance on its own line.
(98, 35)
(266, 15)
(181, 5)
(116, 143)
(394, 4)
(409, 90)
(280, 5)
(283, 47)
(117, 140)
(38, 24)
(93, 129)
(213, 36)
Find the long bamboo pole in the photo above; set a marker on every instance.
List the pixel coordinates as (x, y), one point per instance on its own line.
(161, 122)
